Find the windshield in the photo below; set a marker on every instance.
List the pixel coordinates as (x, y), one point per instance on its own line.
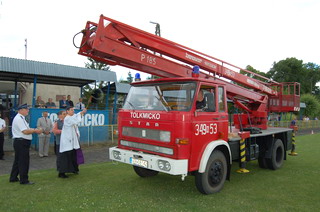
(163, 97)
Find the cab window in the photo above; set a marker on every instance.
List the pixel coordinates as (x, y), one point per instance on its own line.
(221, 99)
(205, 101)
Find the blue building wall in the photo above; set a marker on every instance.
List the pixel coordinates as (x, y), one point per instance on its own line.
(92, 128)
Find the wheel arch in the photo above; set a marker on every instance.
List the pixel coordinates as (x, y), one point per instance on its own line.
(221, 145)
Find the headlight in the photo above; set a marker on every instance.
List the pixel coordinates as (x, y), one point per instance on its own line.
(167, 166)
(116, 155)
(165, 136)
(164, 165)
(161, 164)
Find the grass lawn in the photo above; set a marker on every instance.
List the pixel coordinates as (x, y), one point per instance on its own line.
(110, 186)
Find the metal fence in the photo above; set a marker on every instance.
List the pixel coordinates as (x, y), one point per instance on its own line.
(97, 134)
(90, 135)
(311, 124)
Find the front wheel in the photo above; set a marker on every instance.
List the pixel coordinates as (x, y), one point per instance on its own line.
(142, 172)
(212, 180)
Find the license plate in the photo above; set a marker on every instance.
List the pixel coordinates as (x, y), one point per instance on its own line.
(139, 162)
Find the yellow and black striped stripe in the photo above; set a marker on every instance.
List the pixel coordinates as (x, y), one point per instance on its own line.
(243, 157)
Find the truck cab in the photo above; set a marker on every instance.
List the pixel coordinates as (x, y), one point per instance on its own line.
(167, 124)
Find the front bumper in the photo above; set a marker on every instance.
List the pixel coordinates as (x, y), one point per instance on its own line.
(178, 167)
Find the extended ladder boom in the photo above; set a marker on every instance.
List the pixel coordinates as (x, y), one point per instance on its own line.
(116, 43)
(118, 31)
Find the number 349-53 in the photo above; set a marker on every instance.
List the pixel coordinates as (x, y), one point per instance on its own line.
(203, 129)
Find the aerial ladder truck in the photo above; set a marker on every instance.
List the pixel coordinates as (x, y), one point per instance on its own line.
(160, 126)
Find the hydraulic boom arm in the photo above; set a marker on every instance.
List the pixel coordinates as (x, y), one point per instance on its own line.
(116, 43)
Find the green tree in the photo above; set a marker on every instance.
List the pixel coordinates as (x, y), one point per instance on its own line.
(294, 70)
(255, 71)
(313, 77)
(317, 91)
(312, 105)
(96, 89)
(92, 64)
(288, 70)
(129, 79)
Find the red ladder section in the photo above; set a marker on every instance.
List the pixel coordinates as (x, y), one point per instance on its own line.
(116, 43)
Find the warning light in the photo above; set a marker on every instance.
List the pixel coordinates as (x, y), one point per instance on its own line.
(137, 77)
(195, 71)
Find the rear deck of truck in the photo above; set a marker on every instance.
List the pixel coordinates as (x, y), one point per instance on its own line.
(258, 142)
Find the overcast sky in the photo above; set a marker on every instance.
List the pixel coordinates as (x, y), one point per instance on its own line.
(241, 32)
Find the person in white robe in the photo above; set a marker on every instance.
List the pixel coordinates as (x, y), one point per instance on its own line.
(69, 142)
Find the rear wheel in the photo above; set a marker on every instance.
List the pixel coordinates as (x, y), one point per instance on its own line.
(277, 157)
(263, 162)
(142, 172)
(212, 180)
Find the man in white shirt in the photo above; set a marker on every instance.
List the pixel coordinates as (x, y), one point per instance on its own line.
(80, 105)
(2, 129)
(46, 125)
(22, 135)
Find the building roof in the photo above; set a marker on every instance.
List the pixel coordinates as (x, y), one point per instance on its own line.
(20, 70)
(117, 87)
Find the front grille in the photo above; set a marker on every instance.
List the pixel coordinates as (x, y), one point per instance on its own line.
(149, 147)
(144, 133)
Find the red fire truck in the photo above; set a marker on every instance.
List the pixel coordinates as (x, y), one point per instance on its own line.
(179, 123)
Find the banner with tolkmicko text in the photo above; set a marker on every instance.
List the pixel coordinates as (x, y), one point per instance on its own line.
(92, 128)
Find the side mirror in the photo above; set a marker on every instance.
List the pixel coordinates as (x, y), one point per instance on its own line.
(210, 103)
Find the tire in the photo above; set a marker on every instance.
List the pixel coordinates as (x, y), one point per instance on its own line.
(142, 172)
(212, 180)
(277, 157)
(263, 163)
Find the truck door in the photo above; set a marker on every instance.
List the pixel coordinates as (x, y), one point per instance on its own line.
(210, 120)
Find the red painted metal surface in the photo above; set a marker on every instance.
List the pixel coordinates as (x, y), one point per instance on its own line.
(116, 43)
(288, 98)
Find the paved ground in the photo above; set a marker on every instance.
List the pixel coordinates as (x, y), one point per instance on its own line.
(92, 154)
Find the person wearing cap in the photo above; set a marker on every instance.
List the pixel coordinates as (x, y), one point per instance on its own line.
(2, 129)
(22, 135)
(46, 125)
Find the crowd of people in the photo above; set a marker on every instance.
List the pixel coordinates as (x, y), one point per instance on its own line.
(67, 137)
(63, 103)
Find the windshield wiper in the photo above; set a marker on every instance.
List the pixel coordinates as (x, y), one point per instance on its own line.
(131, 105)
(162, 100)
(165, 106)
